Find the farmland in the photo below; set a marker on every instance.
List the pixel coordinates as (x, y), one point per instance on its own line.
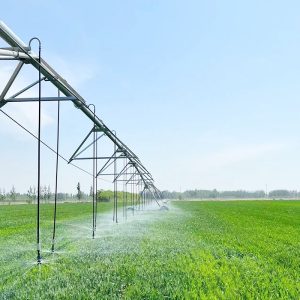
(196, 250)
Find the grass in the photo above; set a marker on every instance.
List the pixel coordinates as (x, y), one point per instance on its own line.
(197, 250)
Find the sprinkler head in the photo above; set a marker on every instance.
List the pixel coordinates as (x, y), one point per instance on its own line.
(53, 243)
(39, 260)
(164, 208)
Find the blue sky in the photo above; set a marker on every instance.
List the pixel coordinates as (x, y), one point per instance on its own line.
(205, 92)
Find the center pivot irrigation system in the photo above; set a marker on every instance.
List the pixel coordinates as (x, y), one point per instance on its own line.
(133, 173)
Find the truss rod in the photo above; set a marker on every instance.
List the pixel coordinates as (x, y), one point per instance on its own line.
(98, 138)
(99, 157)
(11, 80)
(31, 99)
(107, 164)
(27, 88)
(78, 148)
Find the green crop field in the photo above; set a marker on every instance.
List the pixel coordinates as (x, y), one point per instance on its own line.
(196, 250)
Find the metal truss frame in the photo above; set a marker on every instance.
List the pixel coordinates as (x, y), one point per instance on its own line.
(133, 174)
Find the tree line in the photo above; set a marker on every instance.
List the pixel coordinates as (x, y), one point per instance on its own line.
(30, 196)
(46, 195)
(239, 194)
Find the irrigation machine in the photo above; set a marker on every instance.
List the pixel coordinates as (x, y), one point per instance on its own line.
(133, 175)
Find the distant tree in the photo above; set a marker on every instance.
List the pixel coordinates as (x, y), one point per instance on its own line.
(43, 191)
(12, 194)
(34, 192)
(48, 193)
(31, 194)
(2, 195)
(79, 193)
(91, 192)
(279, 194)
(104, 196)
